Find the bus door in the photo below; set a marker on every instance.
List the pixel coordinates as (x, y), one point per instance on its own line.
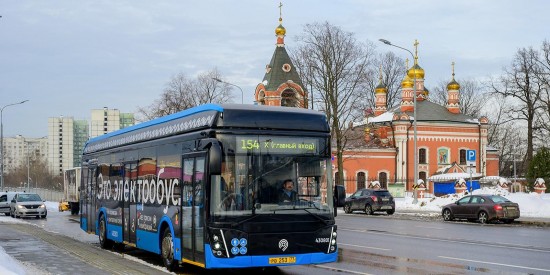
(192, 220)
(89, 198)
(130, 194)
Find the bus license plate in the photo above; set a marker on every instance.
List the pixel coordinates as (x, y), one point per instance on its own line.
(282, 260)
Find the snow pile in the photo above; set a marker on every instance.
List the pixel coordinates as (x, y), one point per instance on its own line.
(8, 265)
(530, 204)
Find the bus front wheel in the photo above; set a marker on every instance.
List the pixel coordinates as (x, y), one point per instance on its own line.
(167, 250)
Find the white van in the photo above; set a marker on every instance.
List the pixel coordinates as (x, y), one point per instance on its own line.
(5, 199)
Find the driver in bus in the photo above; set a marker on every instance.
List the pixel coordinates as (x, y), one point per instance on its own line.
(287, 194)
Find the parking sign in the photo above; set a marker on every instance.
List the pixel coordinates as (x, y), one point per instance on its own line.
(471, 157)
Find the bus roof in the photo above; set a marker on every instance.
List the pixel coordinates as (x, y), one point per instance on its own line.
(216, 116)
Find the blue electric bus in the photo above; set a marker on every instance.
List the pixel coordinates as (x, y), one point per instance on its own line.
(201, 187)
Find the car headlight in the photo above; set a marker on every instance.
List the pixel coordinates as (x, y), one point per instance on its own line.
(42, 206)
(20, 206)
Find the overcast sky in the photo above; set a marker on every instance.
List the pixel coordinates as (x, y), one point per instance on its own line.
(68, 57)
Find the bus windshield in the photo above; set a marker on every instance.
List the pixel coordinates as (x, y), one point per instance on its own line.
(256, 170)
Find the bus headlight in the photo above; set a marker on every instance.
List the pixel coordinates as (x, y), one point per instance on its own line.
(334, 234)
(217, 246)
(333, 242)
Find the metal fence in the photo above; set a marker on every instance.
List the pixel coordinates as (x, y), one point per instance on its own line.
(45, 194)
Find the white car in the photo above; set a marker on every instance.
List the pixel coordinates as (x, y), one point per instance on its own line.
(5, 199)
(27, 204)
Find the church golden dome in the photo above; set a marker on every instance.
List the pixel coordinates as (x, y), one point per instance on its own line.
(453, 85)
(380, 89)
(280, 30)
(407, 82)
(416, 71)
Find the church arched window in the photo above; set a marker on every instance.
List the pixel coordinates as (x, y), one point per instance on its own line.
(361, 179)
(383, 179)
(288, 99)
(422, 155)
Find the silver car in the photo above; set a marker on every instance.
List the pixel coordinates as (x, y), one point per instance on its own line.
(28, 204)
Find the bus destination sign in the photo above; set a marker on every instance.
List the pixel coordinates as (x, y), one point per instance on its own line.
(277, 145)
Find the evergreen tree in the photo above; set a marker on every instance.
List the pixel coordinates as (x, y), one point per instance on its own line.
(539, 167)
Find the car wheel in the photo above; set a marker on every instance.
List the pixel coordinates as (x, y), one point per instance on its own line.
(347, 208)
(167, 250)
(447, 215)
(103, 241)
(482, 217)
(390, 212)
(368, 209)
(7, 213)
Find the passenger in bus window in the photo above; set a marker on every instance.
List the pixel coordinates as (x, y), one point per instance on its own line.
(287, 194)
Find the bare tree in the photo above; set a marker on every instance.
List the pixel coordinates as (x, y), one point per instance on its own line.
(543, 76)
(519, 83)
(34, 168)
(182, 93)
(393, 72)
(472, 95)
(337, 67)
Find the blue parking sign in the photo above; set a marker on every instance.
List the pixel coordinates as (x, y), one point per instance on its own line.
(470, 155)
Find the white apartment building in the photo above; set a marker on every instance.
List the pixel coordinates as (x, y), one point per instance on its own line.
(107, 120)
(19, 149)
(66, 139)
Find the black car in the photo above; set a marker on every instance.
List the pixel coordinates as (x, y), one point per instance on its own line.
(370, 201)
(483, 208)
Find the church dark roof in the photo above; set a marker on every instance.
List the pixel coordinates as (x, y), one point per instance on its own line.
(427, 111)
(276, 76)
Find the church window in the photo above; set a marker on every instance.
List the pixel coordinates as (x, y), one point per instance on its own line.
(286, 68)
(462, 157)
(422, 156)
(383, 179)
(288, 99)
(361, 179)
(422, 176)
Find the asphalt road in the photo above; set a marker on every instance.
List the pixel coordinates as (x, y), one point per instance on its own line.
(380, 244)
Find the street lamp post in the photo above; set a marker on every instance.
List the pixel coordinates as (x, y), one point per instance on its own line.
(221, 81)
(415, 199)
(2, 141)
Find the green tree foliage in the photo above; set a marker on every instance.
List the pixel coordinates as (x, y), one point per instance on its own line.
(539, 167)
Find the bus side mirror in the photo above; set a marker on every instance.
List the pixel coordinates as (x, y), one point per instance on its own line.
(215, 159)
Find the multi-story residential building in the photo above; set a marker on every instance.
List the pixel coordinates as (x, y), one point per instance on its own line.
(18, 149)
(66, 138)
(107, 120)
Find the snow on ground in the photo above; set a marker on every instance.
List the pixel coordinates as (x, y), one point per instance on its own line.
(531, 205)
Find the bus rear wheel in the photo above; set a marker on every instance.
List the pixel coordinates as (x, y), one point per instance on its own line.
(167, 250)
(103, 241)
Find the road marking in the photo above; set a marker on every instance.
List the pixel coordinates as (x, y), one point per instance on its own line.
(472, 242)
(362, 246)
(491, 263)
(341, 270)
(430, 227)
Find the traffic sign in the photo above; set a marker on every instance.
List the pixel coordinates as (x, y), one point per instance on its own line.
(471, 157)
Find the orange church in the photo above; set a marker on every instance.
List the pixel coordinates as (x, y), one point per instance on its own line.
(384, 153)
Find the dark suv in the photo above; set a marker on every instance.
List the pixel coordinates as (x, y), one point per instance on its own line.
(370, 201)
